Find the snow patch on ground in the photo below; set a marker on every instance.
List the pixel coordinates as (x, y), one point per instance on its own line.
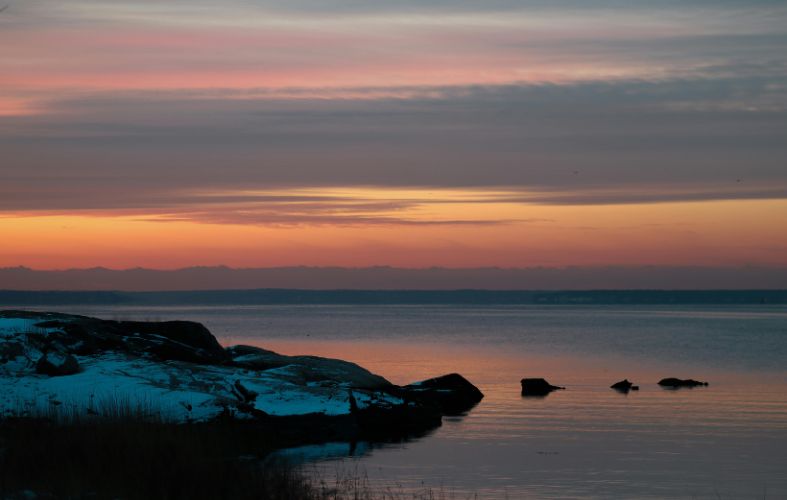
(107, 385)
(10, 327)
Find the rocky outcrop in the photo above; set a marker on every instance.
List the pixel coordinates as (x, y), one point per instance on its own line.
(624, 386)
(676, 383)
(537, 387)
(307, 368)
(177, 371)
(165, 340)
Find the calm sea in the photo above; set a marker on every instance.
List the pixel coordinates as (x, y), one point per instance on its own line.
(728, 440)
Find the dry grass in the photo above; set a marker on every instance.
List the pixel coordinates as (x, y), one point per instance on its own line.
(123, 458)
(120, 450)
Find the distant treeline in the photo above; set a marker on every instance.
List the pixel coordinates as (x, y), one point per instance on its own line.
(394, 279)
(360, 297)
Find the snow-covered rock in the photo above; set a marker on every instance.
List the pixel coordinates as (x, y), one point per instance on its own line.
(55, 364)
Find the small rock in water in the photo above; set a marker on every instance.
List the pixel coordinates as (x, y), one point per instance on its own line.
(537, 387)
(624, 386)
(675, 383)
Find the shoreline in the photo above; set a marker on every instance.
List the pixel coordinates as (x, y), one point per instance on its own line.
(106, 408)
(66, 367)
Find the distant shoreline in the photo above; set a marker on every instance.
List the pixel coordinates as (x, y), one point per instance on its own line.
(282, 296)
(394, 279)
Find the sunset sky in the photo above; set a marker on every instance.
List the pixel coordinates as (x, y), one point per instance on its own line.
(406, 133)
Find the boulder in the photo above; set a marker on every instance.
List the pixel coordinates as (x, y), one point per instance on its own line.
(165, 340)
(55, 364)
(675, 383)
(452, 394)
(169, 340)
(537, 387)
(187, 333)
(624, 386)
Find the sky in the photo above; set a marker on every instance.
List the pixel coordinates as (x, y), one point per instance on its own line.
(403, 133)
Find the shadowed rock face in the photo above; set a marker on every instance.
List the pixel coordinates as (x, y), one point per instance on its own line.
(166, 340)
(306, 369)
(56, 365)
(675, 383)
(537, 387)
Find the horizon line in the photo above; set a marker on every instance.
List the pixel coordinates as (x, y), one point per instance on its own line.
(399, 268)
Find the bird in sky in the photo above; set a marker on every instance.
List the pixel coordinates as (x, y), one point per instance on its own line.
(3, 8)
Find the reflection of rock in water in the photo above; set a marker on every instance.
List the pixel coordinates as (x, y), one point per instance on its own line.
(325, 451)
(343, 449)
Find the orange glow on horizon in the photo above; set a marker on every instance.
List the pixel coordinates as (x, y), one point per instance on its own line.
(448, 232)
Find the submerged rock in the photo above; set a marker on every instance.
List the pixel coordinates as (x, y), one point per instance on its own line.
(624, 386)
(675, 383)
(537, 387)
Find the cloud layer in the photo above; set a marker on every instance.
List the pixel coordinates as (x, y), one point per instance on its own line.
(412, 114)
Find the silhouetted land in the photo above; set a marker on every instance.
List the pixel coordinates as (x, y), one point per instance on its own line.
(361, 297)
(393, 278)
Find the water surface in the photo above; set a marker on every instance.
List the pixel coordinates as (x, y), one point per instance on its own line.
(728, 440)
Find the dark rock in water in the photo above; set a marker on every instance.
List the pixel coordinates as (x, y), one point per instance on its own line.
(675, 383)
(537, 387)
(624, 386)
(452, 394)
(56, 365)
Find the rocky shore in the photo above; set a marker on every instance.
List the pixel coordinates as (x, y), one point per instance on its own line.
(65, 366)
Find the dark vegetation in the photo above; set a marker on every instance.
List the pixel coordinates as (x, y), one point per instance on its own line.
(125, 458)
(121, 455)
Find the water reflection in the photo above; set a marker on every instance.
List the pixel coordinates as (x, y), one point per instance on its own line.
(345, 449)
(586, 441)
